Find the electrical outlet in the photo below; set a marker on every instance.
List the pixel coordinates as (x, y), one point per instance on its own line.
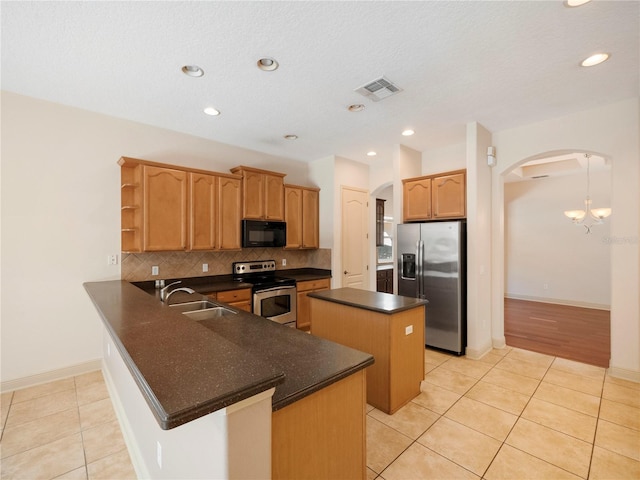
(159, 453)
(155, 270)
(408, 330)
(112, 259)
(545, 286)
(205, 267)
(284, 262)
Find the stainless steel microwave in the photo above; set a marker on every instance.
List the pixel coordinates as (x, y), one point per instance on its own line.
(257, 233)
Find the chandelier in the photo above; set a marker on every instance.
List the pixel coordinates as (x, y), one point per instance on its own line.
(595, 215)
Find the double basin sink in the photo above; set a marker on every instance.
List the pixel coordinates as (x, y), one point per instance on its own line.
(202, 310)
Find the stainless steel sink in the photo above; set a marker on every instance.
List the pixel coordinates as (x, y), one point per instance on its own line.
(202, 310)
(192, 306)
(208, 313)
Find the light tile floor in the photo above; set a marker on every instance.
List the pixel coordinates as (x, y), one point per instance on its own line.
(513, 414)
(65, 429)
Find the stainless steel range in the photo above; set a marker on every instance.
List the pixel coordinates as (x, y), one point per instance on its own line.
(274, 297)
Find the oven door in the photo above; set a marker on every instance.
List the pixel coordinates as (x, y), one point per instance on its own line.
(277, 304)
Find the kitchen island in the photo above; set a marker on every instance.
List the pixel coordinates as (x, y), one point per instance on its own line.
(219, 373)
(390, 327)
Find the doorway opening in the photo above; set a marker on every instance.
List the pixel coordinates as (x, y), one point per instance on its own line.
(557, 275)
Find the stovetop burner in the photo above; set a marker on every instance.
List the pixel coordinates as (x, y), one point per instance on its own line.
(261, 274)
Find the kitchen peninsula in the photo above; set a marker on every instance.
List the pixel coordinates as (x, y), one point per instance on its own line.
(229, 396)
(390, 327)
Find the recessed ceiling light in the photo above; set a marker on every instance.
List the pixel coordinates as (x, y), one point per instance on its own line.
(192, 70)
(356, 107)
(408, 132)
(291, 137)
(575, 3)
(212, 111)
(268, 64)
(371, 154)
(595, 59)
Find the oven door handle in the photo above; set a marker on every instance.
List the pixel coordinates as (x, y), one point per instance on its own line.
(275, 289)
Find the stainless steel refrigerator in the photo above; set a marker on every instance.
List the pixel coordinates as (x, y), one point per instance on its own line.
(431, 265)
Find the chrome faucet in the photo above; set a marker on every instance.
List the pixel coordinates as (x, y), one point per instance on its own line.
(165, 293)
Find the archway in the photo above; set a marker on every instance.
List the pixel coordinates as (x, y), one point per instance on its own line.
(547, 260)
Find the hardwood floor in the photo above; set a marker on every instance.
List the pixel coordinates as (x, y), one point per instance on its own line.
(575, 333)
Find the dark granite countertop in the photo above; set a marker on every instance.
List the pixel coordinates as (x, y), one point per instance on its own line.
(374, 301)
(220, 283)
(186, 369)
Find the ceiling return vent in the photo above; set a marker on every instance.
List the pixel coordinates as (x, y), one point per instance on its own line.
(379, 89)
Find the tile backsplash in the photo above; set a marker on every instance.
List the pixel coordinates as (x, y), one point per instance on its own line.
(136, 267)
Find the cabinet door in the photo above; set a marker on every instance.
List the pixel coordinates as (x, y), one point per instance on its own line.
(449, 196)
(379, 222)
(165, 209)
(202, 211)
(253, 195)
(416, 203)
(229, 214)
(273, 197)
(303, 313)
(293, 216)
(310, 219)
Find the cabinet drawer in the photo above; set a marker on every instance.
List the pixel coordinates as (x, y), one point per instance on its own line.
(313, 285)
(229, 296)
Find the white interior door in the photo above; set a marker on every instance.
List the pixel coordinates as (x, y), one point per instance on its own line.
(355, 242)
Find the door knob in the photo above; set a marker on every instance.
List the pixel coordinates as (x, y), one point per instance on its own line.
(345, 272)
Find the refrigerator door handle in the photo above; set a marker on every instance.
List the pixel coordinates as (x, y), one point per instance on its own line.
(419, 268)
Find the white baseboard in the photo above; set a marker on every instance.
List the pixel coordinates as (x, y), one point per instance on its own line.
(632, 375)
(555, 301)
(477, 353)
(51, 376)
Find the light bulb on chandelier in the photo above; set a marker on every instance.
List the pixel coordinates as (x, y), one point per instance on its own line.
(597, 215)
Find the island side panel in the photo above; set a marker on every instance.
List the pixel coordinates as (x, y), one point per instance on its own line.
(394, 379)
(324, 434)
(363, 330)
(407, 356)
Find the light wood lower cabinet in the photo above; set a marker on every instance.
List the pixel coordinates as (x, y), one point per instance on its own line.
(395, 340)
(303, 314)
(322, 435)
(240, 298)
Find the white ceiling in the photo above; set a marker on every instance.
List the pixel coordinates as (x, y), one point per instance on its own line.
(502, 64)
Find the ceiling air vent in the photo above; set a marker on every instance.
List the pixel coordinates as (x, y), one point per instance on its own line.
(378, 89)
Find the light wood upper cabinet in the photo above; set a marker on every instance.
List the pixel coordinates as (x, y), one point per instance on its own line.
(310, 218)
(171, 208)
(262, 193)
(202, 211)
(229, 213)
(302, 217)
(293, 215)
(449, 195)
(416, 203)
(165, 209)
(435, 197)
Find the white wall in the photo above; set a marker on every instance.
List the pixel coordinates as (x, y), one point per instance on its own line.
(61, 218)
(612, 131)
(544, 249)
(479, 334)
(444, 159)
